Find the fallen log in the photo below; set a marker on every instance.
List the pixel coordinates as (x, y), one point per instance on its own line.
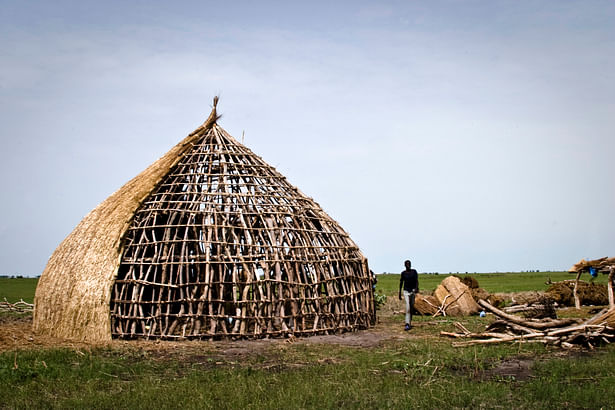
(476, 335)
(544, 324)
(498, 324)
(516, 308)
(574, 329)
(523, 308)
(520, 339)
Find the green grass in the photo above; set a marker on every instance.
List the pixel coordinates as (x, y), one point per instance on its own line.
(15, 289)
(416, 370)
(491, 282)
(19, 288)
(410, 373)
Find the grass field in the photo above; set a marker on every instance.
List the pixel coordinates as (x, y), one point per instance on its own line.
(15, 289)
(397, 369)
(420, 372)
(491, 282)
(18, 288)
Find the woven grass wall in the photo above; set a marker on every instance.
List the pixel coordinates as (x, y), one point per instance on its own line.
(73, 293)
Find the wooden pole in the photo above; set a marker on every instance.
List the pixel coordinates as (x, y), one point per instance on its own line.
(610, 287)
(525, 322)
(577, 302)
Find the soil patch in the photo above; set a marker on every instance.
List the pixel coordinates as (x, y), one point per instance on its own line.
(520, 368)
(364, 338)
(16, 334)
(516, 369)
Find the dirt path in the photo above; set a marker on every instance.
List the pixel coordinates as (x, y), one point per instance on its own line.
(16, 334)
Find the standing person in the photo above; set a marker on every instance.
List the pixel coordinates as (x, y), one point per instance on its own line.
(374, 280)
(409, 282)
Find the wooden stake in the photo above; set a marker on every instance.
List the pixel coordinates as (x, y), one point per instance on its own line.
(577, 302)
(610, 287)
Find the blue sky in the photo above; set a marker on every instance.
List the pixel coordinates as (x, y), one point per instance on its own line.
(464, 135)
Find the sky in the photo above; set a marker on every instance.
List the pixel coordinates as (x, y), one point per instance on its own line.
(467, 136)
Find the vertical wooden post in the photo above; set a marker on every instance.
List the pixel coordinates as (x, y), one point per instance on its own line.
(577, 302)
(610, 287)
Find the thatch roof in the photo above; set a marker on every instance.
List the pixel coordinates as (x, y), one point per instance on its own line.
(208, 241)
(599, 264)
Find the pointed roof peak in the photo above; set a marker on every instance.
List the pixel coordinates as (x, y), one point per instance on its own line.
(210, 121)
(213, 116)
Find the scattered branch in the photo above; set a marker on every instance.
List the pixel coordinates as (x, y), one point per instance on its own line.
(566, 333)
(21, 306)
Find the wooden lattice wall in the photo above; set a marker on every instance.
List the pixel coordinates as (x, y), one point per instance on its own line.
(225, 246)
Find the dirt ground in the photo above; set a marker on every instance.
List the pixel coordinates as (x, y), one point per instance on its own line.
(16, 334)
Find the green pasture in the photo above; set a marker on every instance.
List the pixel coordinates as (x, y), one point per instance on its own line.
(417, 369)
(388, 284)
(14, 289)
(419, 372)
(18, 288)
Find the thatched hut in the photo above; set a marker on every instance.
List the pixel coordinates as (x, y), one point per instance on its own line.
(209, 241)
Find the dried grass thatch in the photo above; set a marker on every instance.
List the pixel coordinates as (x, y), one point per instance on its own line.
(208, 241)
(456, 297)
(602, 264)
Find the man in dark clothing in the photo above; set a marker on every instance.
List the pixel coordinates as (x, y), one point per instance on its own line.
(409, 282)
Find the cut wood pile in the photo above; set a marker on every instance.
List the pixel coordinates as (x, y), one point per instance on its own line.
(542, 307)
(566, 333)
(21, 306)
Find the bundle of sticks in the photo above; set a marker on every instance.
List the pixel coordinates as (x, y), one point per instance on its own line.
(603, 265)
(566, 333)
(21, 306)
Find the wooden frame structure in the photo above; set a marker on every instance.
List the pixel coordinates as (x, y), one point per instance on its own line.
(209, 241)
(604, 265)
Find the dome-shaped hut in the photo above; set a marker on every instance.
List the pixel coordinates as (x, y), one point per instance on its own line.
(209, 241)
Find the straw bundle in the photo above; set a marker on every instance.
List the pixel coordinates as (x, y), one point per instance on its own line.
(602, 264)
